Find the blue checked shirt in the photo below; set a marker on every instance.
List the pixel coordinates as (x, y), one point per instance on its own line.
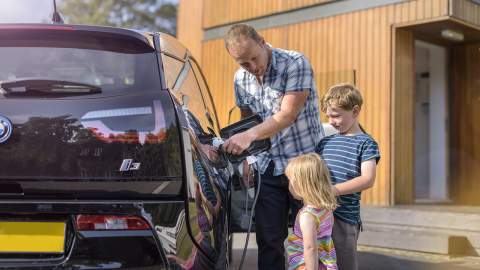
(288, 71)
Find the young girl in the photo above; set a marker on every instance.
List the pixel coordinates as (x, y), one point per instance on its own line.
(310, 245)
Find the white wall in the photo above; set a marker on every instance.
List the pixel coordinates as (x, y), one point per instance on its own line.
(438, 120)
(422, 124)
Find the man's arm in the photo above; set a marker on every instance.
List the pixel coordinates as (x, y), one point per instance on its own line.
(362, 182)
(292, 104)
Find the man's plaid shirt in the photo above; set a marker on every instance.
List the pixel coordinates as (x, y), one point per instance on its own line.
(288, 71)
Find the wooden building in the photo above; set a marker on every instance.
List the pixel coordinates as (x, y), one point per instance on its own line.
(416, 62)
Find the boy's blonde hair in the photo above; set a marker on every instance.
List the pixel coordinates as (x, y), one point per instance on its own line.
(344, 95)
(311, 179)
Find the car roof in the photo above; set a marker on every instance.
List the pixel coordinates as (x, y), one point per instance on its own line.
(168, 43)
(145, 37)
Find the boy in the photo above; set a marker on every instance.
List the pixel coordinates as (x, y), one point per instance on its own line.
(352, 157)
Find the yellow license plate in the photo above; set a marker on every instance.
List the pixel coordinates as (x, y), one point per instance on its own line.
(32, 237)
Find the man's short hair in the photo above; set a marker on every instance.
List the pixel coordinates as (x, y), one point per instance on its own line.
(344, 95)
(239, 30)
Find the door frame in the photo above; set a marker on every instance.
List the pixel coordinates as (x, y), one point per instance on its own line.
(402, 113)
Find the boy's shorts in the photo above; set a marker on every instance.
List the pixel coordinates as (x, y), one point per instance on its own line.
(345, 236)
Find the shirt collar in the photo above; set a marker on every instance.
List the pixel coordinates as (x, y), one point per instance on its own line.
(273, 60)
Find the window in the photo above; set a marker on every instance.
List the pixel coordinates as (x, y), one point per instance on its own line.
(171, 69)
(170, 45)
(101, 62)
(189, 95)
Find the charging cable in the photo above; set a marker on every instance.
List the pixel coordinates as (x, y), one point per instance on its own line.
(252, 161)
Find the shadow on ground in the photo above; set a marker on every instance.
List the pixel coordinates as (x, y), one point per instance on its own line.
(376, 261)
(250, 259)
(367, 261)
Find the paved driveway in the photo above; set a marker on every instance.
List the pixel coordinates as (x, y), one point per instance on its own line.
(371, 258)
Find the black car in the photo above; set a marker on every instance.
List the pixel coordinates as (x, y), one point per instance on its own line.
(106, 156)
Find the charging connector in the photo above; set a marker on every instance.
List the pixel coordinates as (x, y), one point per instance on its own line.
(217, 143)
(251, 160)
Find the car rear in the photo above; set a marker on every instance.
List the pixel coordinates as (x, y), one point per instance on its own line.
(90, 153)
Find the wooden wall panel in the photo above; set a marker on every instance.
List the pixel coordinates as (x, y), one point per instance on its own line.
(219, 12)
(466, 10)
(337, 46)
(189, 31)
(219, 70)
(403, 117)
(464, 126)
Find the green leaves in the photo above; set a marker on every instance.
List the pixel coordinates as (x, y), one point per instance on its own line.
(149, 15)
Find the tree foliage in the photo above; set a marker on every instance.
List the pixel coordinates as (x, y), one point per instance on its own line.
(151, 15)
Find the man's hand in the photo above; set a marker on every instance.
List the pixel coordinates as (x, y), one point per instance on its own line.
(238, 143)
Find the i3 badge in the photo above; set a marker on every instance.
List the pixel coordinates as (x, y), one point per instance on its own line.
(6, 128)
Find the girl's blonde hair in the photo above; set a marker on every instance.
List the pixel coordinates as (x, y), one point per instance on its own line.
(311, 179)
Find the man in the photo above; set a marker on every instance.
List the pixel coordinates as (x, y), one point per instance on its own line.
(279, 86)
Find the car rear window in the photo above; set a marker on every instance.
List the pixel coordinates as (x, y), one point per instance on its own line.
(115, 63)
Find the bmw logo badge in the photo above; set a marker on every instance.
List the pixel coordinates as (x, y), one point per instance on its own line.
(6, 128)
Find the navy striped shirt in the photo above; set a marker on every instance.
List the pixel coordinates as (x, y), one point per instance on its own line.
(344, 156)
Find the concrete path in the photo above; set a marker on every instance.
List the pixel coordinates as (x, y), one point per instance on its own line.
(371, 258)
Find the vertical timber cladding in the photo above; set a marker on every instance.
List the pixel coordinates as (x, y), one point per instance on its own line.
(219, 12)
(358, 43)
(466, 10)
(189, 15)
(403, 116)
(464, 126)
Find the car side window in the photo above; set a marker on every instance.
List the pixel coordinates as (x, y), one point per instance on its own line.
(211, 111)
(171, 69)
(188, 94)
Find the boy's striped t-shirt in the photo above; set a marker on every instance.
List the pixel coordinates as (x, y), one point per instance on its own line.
(344, 156)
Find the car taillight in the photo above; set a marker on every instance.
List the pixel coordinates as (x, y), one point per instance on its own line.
(101, 222)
